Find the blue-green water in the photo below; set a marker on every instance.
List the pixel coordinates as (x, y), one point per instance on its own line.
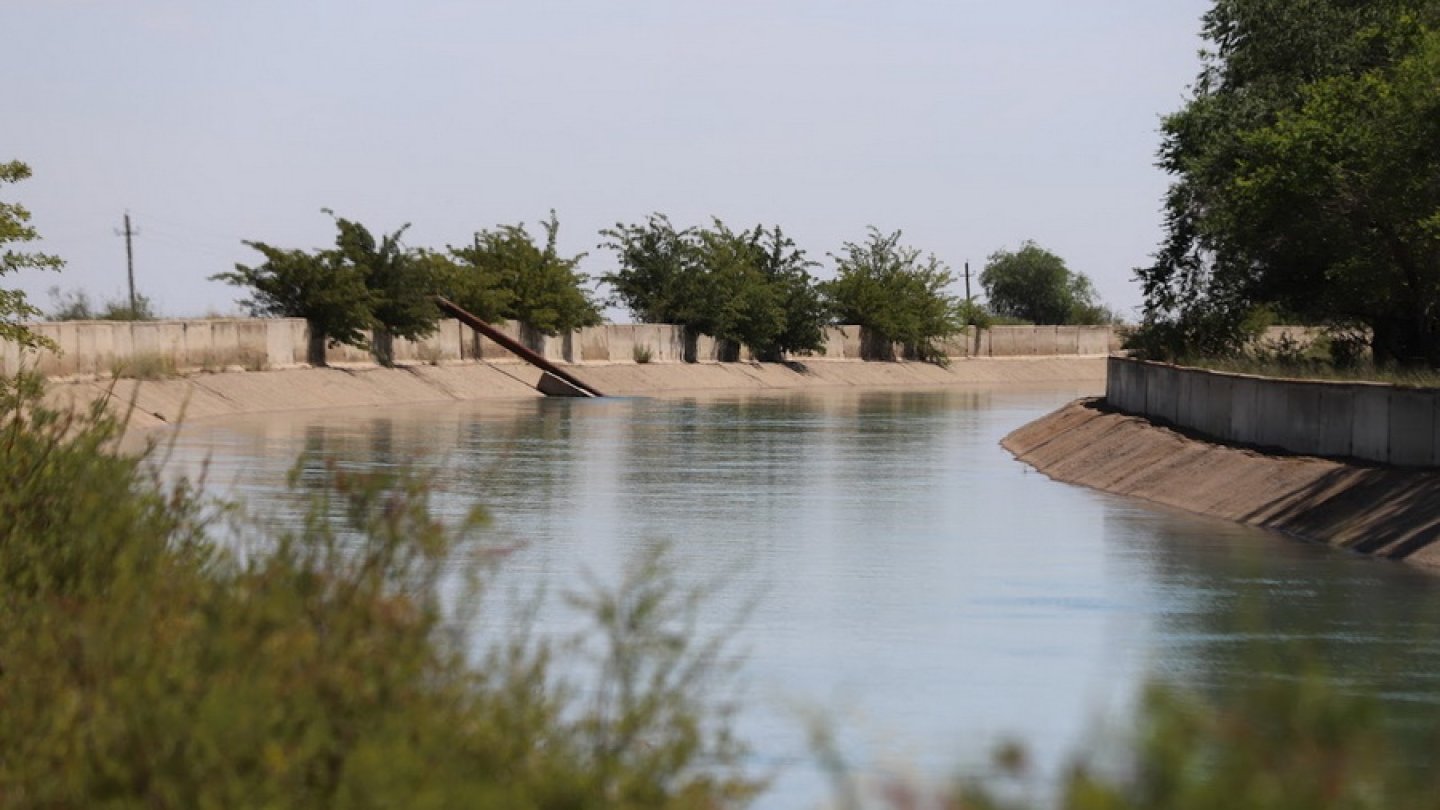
(909, 579)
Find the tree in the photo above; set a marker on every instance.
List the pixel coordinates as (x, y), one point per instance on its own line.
(806, 311)
(329, 294)
(1034, 284)
(503, 272)
(15, 229)
(399, 281)
(895, 294)
(659, 270)
(1304, 171)
(749, 287)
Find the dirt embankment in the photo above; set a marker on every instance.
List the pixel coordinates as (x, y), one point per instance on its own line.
(1385, 512)
(206, 396)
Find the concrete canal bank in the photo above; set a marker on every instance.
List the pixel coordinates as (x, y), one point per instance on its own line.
(211, 395)
(217, 367)
(1352, 465)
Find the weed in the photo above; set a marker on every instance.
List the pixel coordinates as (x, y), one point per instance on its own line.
(145, 664)
(641, 353)
(145, 366)
(429, 354)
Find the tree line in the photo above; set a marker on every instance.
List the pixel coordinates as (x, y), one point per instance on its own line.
(752, 287)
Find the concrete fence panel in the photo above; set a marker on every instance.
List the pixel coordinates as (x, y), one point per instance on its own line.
(1092, 340)
(1370, 436)
(225, 342)
(1244, 411)
(1162, 395)
(594, 344)
(1337, 420)
(279, 342)
(197, 345)
(1368, 421)
(1412, 427)
(1004, 342)
(1189, 409)
(1299, 426)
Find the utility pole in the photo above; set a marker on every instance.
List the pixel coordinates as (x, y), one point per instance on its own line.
(129, 259)
(967, 281)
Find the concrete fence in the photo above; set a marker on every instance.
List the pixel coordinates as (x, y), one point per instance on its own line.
(1373, 422)
(102, 347)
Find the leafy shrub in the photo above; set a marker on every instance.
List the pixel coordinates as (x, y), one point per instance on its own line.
(144, 664)
(75, 305)
(145, 366)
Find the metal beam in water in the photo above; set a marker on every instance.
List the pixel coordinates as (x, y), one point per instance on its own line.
(554, 381)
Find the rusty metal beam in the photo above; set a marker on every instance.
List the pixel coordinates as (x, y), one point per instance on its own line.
(522, 351)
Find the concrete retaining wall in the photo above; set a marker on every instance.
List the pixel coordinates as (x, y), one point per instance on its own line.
(100, 347)
(1372, 422)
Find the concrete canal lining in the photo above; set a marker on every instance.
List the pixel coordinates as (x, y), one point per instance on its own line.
(1371, 422)
(1383, 511)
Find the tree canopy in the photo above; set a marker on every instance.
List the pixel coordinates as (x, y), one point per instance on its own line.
(330, 295)
(1034, 284)
(15, 229)
(1305, 174)
(751, 287)
(504, 275)
(897, 294)
(401, 289)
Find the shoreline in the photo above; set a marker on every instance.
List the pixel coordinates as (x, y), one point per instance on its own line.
(1379, 511)
(205, 396)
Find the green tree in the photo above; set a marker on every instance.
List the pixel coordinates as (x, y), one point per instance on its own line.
(751, 287)
(1304, 169)
(806, 311)
(504, 273)
(399, 280)
(897, 295)
(330, 295)
(15, 229)
(1034, 284)
(659, 270)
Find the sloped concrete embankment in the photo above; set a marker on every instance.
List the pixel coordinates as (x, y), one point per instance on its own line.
(207, 396)
(1383, 511)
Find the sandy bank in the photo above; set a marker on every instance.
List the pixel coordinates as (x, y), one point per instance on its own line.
(1373, 510)
(208, 396)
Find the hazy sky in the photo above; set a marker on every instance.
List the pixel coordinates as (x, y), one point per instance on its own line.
(970, 125)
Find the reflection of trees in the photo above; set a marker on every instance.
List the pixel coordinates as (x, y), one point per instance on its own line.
(1245, 603)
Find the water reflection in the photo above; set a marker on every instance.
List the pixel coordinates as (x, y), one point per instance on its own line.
(916, 582)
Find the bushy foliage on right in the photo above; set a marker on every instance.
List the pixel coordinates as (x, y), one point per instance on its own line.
(1305, 178)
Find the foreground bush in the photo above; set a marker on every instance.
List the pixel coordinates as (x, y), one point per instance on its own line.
(143, 664)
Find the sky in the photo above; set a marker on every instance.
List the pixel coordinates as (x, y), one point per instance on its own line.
(970, 126)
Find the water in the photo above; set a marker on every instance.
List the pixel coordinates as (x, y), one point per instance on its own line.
(911, 581)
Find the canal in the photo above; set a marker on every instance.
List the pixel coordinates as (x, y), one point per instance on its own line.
(898, 573)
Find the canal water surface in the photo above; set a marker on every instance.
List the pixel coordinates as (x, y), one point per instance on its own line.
(898, 572)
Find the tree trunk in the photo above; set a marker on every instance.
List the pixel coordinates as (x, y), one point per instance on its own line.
(875, 346)
(727, 351)
(690, 350)
(382, 346)
(315, 347)
(1405, 341)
